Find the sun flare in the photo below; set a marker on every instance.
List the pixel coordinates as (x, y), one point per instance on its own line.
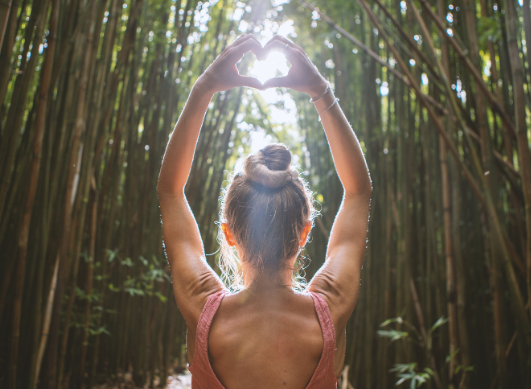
(275, 65)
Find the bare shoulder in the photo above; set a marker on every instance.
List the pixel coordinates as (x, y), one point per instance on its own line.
(340, 297)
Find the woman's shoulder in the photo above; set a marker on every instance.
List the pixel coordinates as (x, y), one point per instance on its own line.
(244, 310)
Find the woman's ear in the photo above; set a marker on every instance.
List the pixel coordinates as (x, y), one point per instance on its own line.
(305, 232)
(228, 234)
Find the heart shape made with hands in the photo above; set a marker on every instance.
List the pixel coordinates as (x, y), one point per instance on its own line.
(302, 76)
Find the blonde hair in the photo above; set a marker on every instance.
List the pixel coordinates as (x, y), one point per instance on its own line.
(266, 208)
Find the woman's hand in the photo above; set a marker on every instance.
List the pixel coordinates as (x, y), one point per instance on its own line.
(303, 75)
(222, 74)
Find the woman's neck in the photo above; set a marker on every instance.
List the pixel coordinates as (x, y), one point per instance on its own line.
(266, 281)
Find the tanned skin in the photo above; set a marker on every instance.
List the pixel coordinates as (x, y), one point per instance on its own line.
(267, 335)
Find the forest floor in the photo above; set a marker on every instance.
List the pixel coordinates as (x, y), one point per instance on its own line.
(176, 381)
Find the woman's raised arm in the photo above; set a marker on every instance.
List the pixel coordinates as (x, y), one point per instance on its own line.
(193, 279)
(339, 278)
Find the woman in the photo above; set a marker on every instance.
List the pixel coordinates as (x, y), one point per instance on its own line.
(267, 335)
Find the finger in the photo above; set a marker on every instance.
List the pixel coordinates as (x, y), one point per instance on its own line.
(257, 51)
(279, 38)
(242, 39)
(292, 54)
(239, 40)
(235, 54)
(278, 82)
(285, 41)
(249, 81)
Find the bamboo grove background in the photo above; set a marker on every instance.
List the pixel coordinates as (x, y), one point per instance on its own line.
(438, 93)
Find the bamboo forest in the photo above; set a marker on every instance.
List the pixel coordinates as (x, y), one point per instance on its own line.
(438, 93)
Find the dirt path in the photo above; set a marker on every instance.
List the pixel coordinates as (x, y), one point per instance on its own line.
(177, 381)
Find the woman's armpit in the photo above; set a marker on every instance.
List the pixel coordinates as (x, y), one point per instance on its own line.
(338, 294)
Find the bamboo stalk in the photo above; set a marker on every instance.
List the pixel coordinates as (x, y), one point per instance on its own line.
(5, 8)
(15, 115)
(89, 281)
(6, 51)
(71, 181)
(45, 326)
(470, 67)
(451, 287)
(524, 155)
(26, 218)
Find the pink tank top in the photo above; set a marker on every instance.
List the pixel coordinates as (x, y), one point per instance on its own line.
(203, 377)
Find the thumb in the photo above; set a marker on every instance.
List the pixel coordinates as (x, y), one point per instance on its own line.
(249, 81)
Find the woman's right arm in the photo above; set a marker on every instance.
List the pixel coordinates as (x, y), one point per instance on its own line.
(339, 278)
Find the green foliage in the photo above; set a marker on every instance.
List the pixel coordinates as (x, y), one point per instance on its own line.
(408, 372)
(111, 254)
(98, 331)
(93, 297)
(397, 334)
(458, 367)
(393, 334)
(489, 30)
(439, 323)
(127, 262)
(143, 283)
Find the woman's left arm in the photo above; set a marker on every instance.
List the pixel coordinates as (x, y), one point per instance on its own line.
(193, 279)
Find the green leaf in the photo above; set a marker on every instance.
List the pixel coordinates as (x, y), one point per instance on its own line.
(161, 297)
(155, 260)
(101, 330)
(127, 262)
(86, 257)
(401, 380)
(393, 334)
(451, 356)
(112, 288)
(112, 254)
(429, 371)
(403, 367)
(134, 291)
(398, 320)
(438, 323)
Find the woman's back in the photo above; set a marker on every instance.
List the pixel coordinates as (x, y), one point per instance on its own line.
(279, 333)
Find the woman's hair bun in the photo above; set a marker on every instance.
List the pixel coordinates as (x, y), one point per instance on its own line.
(271, 166)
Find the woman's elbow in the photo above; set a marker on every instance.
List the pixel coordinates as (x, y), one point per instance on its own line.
(364, 190)
(165, 188)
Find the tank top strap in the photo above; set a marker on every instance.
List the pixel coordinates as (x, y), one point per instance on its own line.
(205, 321)
(325, 368)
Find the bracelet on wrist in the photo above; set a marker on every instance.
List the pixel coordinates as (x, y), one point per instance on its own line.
(328, 89)
(334, 103)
